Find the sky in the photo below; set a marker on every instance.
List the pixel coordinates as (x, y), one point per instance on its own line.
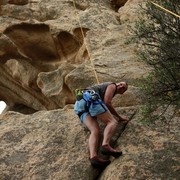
(2, 106)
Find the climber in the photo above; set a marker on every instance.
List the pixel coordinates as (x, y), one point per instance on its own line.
(95, 102)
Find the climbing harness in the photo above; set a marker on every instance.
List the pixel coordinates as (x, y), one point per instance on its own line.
(88, 95)
(91, 98)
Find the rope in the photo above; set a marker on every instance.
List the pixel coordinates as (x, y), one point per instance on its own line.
(85, 43)
(166, 10)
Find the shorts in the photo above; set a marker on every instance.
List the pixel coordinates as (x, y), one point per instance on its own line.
(81, 109)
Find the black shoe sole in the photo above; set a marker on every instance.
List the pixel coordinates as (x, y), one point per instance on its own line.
(114, 154)
(97, 164)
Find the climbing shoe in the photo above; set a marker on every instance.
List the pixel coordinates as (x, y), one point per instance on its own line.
(107, 150)
(98, 162)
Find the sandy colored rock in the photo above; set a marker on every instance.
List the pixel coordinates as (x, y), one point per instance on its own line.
(45, 54)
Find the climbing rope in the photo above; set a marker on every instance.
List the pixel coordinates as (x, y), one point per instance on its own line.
(166, 10)
(85, 43)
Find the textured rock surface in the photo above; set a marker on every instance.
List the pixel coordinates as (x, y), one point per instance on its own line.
(149, 152)
(44, 57)
(53, 145)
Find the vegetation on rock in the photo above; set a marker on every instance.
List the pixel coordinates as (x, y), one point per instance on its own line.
(157, 33)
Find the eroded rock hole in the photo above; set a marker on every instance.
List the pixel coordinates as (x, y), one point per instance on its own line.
(116, 4)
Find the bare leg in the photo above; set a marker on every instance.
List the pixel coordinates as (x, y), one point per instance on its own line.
(110, 128)
(93, 126)
(109, 131)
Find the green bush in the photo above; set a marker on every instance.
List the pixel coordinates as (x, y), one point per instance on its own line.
(157, 34)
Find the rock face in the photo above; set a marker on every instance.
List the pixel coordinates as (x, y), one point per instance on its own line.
(53, 145)
(48, 48)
